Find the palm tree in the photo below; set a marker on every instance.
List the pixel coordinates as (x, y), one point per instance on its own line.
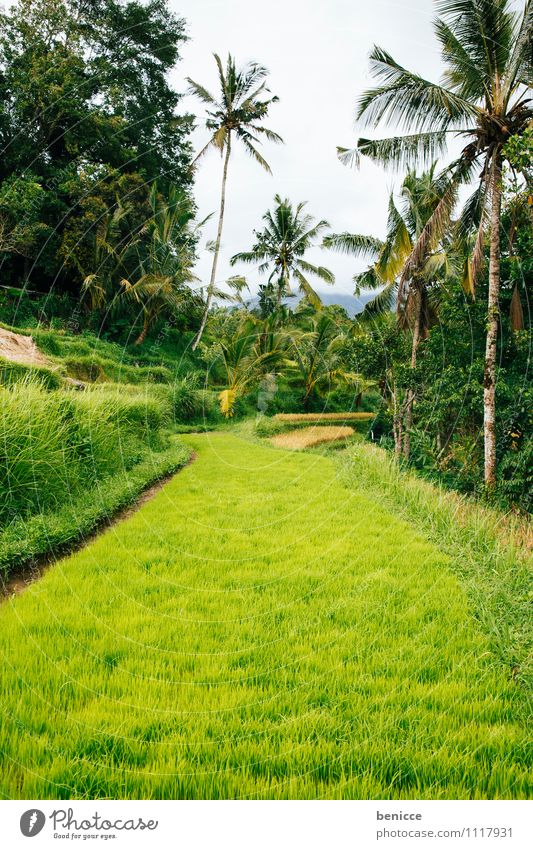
(162, 254)
(415, 299)
(98, 286)
(255, 349)
(238, 112)
(316, 357)
(280, 248)
(485, 99)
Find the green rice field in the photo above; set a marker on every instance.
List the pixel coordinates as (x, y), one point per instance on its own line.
(260, 629)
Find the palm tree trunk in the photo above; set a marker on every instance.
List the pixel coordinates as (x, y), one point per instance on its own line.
(493, 315)
(396, 420)
(144, 332)
(410, 392)
(279, 293)
(211, 286)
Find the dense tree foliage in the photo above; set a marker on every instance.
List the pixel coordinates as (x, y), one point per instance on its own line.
(88, 122)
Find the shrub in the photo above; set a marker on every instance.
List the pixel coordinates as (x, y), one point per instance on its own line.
(516, 477)
(186, 399)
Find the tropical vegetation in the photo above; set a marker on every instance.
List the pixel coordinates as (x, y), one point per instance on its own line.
(331, 595)
(485, 99)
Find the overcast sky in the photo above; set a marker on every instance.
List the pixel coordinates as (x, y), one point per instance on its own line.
(317, 55)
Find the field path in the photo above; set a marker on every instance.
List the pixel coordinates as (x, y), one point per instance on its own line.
(257, 629)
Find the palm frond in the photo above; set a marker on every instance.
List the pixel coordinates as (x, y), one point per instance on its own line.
(248, 256)
(349, 156)
(520, 67)
(477, 259)
(318, 271)
(203, 151)
(437, 222)
(472, 211)
(404, 151)
(409, 100)
(463, 73)
(384, 301)
(254, 153)
(485, 29)
(307, 290)
(368, 279)
(200, 92)
(354, 244)
(269, 134)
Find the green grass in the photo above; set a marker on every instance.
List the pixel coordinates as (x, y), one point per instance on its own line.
(90, 358)
(69, 459)
(489, 551)
(49, 532)
(55, 445)
(11, 373)
(258, 629)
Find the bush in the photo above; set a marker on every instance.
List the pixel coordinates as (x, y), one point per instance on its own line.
(93, 368)
(60, 530)
(516, 477)
(186, 399)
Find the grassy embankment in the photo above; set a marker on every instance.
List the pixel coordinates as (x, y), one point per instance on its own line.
(258, 629)
(70, 459)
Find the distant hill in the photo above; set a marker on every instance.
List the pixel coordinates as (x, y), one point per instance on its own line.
(351, 303)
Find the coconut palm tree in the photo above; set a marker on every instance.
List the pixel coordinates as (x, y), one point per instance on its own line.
(316, 359)
(256, 349)
(414, 299)
(280, 248)
(160, 256)
(238, 113)
(484, 99)
(98, 287)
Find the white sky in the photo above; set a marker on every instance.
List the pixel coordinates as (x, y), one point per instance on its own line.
(317, 55)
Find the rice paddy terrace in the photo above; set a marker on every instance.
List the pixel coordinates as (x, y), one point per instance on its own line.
(258, 629)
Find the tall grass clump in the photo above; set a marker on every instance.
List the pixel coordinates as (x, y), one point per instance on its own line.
(55, 444)
(11, 372)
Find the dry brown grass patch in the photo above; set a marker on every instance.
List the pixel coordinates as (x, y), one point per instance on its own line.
(307, 437)
(296, 418)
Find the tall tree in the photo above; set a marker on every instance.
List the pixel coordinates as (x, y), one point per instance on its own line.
(85, 91)
(414, 298)
(485, 99)
(238, 112)
(280, 247)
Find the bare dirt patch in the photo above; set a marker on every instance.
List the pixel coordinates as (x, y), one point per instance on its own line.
(20, 349)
